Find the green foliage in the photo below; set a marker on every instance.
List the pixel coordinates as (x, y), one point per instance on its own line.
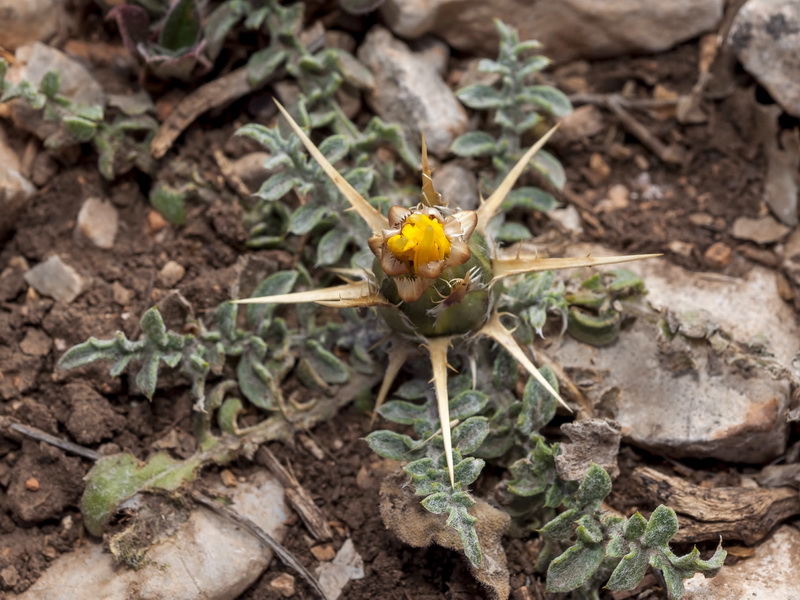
(595, 308)
(583, 545)
(122, 141)
(427, 466)
(516, 105)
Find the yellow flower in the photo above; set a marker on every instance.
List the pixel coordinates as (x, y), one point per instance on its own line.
(433, 277)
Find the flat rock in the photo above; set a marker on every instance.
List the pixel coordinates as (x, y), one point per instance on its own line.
(410, 91)
(29, 21)
(765, 230)
(569, 29)
(716, 386)
(765, 36)
(206, 558)
(98, 221)
(346, 565)
(770, 574)
(56, 279)
(33, 62)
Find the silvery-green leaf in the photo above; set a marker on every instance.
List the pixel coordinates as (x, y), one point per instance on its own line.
(474, 143)
(50, 84)
(331, 246)
(574, 567)
(629, 571)
(511, 232)
(334, 148)
(467, 404)
(469, 435)
(548, 99)
(481, 96)
(538, 405)
(389, 444)
(281, 282)
(404, 413)
(549, 166)
(467, 471)
(262, 64)
(277, 186)
(305, 218)
(326, 364)
(79, 128)
(531, 198)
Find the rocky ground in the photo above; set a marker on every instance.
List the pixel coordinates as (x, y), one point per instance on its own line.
(684, 141)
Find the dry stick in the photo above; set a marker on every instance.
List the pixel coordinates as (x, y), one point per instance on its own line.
(215, 93)
(6, 425)
(297, 496)
(617, 105)
(282, 553)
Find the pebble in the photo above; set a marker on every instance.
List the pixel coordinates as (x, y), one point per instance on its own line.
(569, 29)
(9, 576)
(156, 221)
(56, 279)
(568, 217)
(206, 558)
(170, 274)
(681, 248)
(410, 91)
(284, 584)
(598, 170)
(765, 36)
(250, 169)
(122, 295)
(769, 574)
(323, 552)
(29, 21)
(617, 198)
(718, 255)
(346, 565)
(699, 398)
(98, 221)
(36, 343)
(32, 484)
(764, 230)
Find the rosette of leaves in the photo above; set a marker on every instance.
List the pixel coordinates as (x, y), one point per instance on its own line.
(122, 141)
(516, 107)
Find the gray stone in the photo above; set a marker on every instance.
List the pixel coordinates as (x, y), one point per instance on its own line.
(765, 230)
(56, 279)
(29, 21)
(590, 441)
(765, 36)
(250, 169)
(15, 190)
(716, 386)
(569, 29)
(207, 557)
(98, 221)
(457, 185)
(33, 62)
(770, 574)
(410, 91)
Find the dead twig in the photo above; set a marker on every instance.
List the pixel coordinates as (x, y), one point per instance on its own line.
(282, 553)
(297, 496)
(733, 513)
(7, 425)
(618, 105)
(218, 93)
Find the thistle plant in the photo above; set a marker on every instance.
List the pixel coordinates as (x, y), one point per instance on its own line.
(121, 142)
(434, 277)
